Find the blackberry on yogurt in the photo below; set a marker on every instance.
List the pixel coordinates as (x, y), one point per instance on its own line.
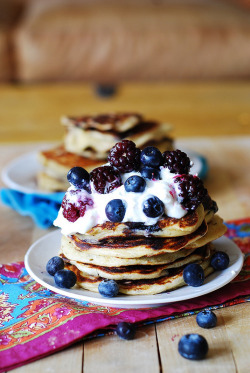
(72, 211)
(191, 191)
(125, 156)
(176, 161)
(105, 179)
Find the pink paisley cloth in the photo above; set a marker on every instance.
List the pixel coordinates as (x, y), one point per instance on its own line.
(36, 322)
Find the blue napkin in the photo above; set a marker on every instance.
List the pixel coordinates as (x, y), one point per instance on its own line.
(42, 208)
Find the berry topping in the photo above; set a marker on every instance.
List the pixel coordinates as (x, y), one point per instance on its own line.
(153, 207)
(108, 288)
(54, 264)
(209, 204)
(193, 275)
(79, 177)
(176, 161)
(191, 191)
(125, 330)
(135, 184)
(206, 319)
(193, 346)
(115, 210)
(219, 260)
(105, 179)
(73, 211)
(65, 278)
(151, 156)
(150, 173)
(125, 156)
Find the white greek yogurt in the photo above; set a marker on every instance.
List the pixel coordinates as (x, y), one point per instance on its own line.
(165, 189)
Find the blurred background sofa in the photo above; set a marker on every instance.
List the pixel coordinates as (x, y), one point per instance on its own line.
(112, 41)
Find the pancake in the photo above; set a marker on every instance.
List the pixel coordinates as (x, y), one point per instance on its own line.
(165, 227)
(171, 281)
(57, 162)
(216, 229)
(135, 272)
(136, 248)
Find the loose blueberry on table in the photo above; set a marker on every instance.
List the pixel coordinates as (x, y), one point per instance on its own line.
(193, 346)
(219, 260)
(64, 278)
(54, 264)
(193, 275)
(125, 330)
(108, 288)
(206, 319)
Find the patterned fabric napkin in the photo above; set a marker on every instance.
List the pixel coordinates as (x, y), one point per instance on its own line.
(42, 208)
(35, 322)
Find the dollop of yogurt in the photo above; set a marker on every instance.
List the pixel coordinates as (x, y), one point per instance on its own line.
(165, 189)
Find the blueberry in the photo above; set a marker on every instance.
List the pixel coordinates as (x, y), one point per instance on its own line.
(108, 288)
(65, 278)
(79, 177)
(193, 275)
(206, 319)
(219, 260)
(150, 173)
(135, 184)
(153, 207)
(115, 210)
(54, 264)
(125, 330)
(105, 90)
(151, 156)
(193, 346)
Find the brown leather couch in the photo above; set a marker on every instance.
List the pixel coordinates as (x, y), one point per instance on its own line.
(110, 41)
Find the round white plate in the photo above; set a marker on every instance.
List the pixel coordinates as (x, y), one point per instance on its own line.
(20, 174)
(48, 246)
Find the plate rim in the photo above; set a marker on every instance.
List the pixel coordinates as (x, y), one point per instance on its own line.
(116, 302)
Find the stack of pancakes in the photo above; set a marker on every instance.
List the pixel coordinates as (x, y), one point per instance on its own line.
(143, 259)
(88, 140)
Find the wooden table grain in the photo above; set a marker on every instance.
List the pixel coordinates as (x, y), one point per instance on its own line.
(212, 119)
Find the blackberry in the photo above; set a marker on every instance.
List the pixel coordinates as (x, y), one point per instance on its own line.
(209, 204)
(191, 191)
(105, 179)
(176, 161)
(71, 211)
(125, 156)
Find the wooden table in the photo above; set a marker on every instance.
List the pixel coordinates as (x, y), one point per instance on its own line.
(213, 119)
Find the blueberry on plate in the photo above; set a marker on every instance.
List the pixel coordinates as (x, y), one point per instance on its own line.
(65, 278)
(151, 156)
(206, 319)
(125, 330)
(115, 210)
(193, 275)
(193, 346)
(153, 207)
(108, 288)
(54, 264)
(219, 260)
(150, 173)
(79, 177)
(135, 184)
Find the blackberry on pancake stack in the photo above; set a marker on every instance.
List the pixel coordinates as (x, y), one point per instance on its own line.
(138, 220)
(88, 139)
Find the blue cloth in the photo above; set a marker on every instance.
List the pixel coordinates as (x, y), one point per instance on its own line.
(42, 208)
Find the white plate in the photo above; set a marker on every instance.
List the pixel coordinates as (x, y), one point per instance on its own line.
(21, 173)
(48, 246)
